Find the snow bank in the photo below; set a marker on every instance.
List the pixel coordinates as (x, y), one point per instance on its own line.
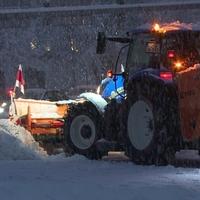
(16, 143)
(62, 157)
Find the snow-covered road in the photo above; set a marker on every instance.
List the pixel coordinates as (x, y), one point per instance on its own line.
(78, 178)
(27, 173)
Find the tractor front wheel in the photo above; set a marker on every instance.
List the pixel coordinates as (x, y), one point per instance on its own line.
(82, 129)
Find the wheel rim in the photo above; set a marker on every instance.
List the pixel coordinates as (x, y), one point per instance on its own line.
(86, 131)
(140, 125)
(82, 132)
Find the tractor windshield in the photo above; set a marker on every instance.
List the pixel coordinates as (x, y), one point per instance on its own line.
(144, 52)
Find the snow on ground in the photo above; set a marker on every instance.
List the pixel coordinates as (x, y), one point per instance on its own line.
(16, 143)
(76, 178)
(27, 173)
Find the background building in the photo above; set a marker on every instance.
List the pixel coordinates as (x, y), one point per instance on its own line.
(58, 41)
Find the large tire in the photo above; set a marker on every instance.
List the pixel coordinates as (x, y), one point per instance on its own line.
(151, 122)
(82, 129)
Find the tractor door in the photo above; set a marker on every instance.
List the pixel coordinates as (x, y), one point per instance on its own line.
(144, 52)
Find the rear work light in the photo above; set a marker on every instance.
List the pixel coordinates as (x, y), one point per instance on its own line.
(178, 65)
(171, 54)
(166, 76)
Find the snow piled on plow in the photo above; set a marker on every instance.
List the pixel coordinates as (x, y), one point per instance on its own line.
(16, 143)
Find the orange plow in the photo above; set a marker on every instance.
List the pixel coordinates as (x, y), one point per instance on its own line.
(188, 82)
(38, 116)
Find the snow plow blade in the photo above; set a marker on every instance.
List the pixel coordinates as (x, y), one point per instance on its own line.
(38, 116)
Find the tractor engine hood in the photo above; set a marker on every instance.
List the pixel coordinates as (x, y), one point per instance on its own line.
(96, 99)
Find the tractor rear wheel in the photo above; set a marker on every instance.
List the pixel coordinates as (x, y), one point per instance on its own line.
(151, 122)
(82, 129)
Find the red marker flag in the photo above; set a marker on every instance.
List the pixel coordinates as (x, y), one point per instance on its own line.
(20, 80)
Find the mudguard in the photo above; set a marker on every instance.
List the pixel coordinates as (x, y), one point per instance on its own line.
(154, 73)
(97, 100)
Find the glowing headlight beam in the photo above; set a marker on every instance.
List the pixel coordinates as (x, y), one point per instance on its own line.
(1, 110)
(178, 65)
(98, 90)
(157, 28)
(3, 104)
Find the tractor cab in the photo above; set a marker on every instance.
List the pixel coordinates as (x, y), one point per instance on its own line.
(171, 47)
(160, 50)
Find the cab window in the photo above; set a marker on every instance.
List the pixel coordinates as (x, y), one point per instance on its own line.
(144, 52)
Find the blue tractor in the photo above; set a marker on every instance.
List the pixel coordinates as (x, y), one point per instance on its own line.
(112, 87)
(137, 111)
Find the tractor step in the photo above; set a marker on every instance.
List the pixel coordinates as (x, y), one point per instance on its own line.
(187, 158)
(103, 145)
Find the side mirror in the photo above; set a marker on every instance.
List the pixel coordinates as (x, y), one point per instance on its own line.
(101, 43)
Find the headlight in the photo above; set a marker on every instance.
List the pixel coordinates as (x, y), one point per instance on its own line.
(1, 110)
(98, 90)
(3, 104)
